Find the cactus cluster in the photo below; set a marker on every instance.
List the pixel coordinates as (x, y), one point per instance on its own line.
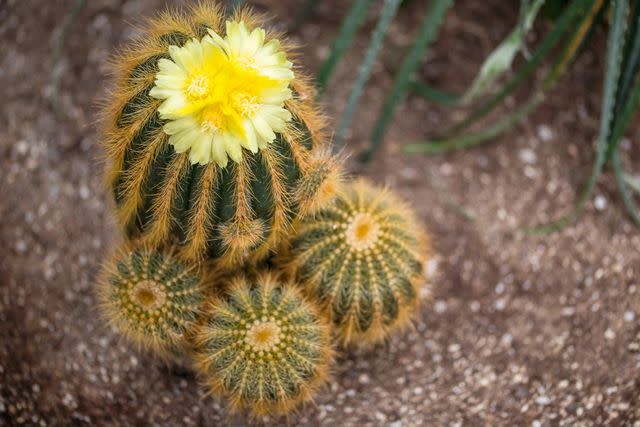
(244, 251)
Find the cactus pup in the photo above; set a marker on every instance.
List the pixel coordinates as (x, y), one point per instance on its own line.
(362, 259)
(212, 137)
(152, 297)
(263, 346)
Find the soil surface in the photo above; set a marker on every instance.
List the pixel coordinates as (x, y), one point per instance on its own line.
(522, 330)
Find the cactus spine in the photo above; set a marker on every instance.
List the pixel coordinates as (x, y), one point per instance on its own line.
(362, 259)
(152, 297)
(233, 213)
(263, 346)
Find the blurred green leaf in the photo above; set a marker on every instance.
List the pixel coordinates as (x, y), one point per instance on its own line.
(630, 58)
(623, 119)
(434, 95)
(518, 115)
(615, 44)
(632, 181)
(389, 9)
(500, 60)
(541, 52)
(622, 180)
(428, 30)
(489, 133)
(350, 25)
(553, 8)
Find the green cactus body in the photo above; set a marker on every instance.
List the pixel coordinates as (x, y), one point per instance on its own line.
(152, 297)
(362, 259)
(263, 346)
(233, 213)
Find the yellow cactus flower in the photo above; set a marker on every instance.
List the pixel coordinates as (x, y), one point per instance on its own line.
(224, 94)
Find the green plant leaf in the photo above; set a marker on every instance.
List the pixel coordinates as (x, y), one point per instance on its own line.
(389, 9)
(615, 44)
(523, 72)
(631, 56)
(632, 181)
(623, 119)
(517, 116)
(428, 30)
(466, 141)
(350, 25)
(622, 180)
(434, 95)
(500, 60)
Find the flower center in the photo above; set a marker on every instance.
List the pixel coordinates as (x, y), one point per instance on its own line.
(362, 232)
(263, 335)
(211, 119)
(233, 98)
(245, 103)
(198, 87)
(148, 295)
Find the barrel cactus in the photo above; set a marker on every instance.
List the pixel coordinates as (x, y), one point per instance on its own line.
(152, 297)
(212, 137)
(263, 346)
(362, 260)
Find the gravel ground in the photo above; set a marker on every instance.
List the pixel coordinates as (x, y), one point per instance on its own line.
(524, 330)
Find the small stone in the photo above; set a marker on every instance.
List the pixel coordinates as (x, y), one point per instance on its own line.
(543, 400)
(22, 147)
(440, 306)
(84, 192)
(600, 202)
(629, 316)
(609, 334)
(21, 246)
(545, 133)
(527, 155)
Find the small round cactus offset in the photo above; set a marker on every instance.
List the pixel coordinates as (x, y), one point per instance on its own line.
(152, 297)
(362, 259)
(264, 347)
(213, 138)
